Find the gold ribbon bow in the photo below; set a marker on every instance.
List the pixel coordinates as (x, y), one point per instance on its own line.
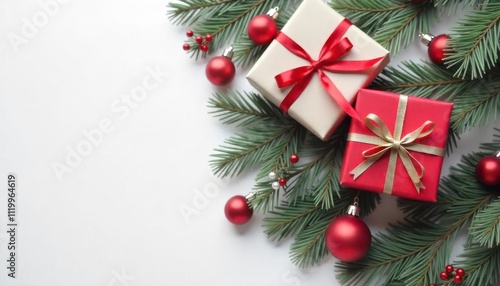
(398, 146)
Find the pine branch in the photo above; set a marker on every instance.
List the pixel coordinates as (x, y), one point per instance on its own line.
(474, 43)
(224, 20)
(423, 80)
(485, 227)
(481, 264)
(309, 247)
(402, 27)
(477, 107)
(453, 5)
(369, 15)
(246, 109)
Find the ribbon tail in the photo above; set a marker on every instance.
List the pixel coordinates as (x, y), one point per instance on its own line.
(294, 93)
(361, 168)
(352, 66)
(415, 177)
(337, 95)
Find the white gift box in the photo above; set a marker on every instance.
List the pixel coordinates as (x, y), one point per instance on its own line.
(310, 26)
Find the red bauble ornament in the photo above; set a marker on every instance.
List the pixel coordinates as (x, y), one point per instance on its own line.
(294, 158)
(348, 238)
(237, 210)
(443, 275)
(198, 39)
(488, 171)
(209, 38)
(220, 70)
(186, 47)
(189, 33)
(460, 272)
(436, 48)
(203, 48)
(262, 28)
(282, 182)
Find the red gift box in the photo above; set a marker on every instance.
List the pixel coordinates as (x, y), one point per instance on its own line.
(399, 146)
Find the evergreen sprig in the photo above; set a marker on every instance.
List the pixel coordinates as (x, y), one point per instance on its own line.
(482, 264)
(485, 227)
(475, 42)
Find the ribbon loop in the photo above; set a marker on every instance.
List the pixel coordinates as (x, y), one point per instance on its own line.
(384, 141)
(332, 51)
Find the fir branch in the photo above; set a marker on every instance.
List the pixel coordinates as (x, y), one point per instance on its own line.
(423, 80)
(309, 247)
(402, 27)
(482, 265)
(477, 107)
(244, 109)
(453, 5)
(485, 227)
(369, 15)
(190, 11)
(244, 150)
(474, 44)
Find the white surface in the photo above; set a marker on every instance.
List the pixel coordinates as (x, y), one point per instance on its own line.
(116, 219)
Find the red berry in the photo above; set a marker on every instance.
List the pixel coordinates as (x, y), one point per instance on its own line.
(443, 275)
(199, 39)
(432, 284)
(449, 268)
(282, 182)
(294, 158)
(209, 38)
(457, 279)
(460, 272)
(186, 47)
(203, 48)
(189, 33)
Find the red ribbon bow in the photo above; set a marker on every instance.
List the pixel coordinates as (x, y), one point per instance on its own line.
(334, 48)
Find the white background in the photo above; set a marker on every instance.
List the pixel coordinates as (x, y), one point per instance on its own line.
(114, 217)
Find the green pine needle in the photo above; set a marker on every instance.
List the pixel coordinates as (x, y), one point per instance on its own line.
(481, 264)
(475, 42)
(485, 227)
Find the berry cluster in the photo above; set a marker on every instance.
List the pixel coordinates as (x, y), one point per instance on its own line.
(202, 42)
(281, 182)
(449, 276)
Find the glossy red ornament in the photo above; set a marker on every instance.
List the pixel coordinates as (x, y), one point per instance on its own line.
(203, 48)
(436, 49)
(488, 171)
(262, 29)
(449, 268)
(209, 38)
(186, 47)
(443, 275)
(294, 158)
(237, 210)
(348, 238)
(189, 33)
(458, 279)
(198, 39)
(220, 70)
(432, 284)
(460, 272)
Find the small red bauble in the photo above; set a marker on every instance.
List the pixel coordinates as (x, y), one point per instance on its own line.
(432, 284)
(237, 210)
(458, 279)
(189, 33)
(198, 39)
(436, 49)
(186, 47)
(294, 158)
(262, 29)
(460, 272)
(220, 70)
(282, 182)
(449, 268)
(348, 238)
(488, 171)
(209, 38)
(443, 275)
(203, 48)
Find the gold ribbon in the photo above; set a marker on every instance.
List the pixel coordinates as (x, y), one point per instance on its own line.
(398, 146)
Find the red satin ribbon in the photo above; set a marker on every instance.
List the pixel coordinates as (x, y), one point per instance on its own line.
(334, 48)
